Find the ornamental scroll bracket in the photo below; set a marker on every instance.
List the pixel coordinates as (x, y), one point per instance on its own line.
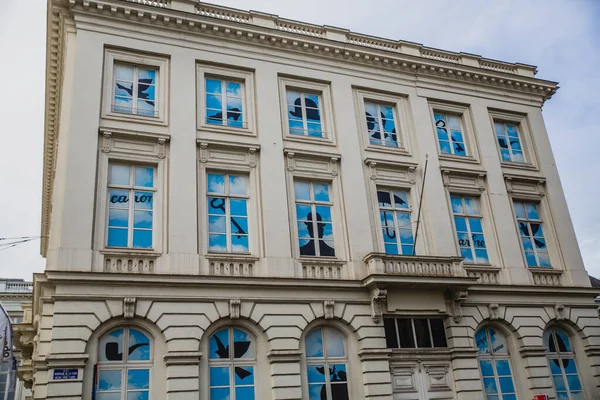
(106, 142)
(334, 166)
(328, 306)
(235, 306)
(203, 152)
(129, 307)
(373, 170)
(252, 157)
(291, 162)
(458, 298)
(162, 148)
(378, 303)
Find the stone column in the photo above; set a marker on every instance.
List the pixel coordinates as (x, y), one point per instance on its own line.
(183, 370)
(286, 381)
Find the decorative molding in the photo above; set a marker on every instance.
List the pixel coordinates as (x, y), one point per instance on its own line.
(182, 358)
(559, 312)
(162, 148)
(106, 142)
(532, 351)
(234, 308)
(543, 276)
(328, 307)
(222, 152)
(395, 172)
(463, 180)
(130, 262)
(129, 304)
(312, 162)
(494, 311)
(291, 163)
(374, 354)
(318, 268)
(378, 303)
(525, 187)
(252, 157)
(372, 170)
(458, 298)
(334, 166)
(203, 152)
(486, 275)
(284, 356)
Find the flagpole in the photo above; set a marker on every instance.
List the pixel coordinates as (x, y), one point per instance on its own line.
(420, 204)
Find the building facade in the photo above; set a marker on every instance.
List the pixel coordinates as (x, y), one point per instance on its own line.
(239, 206)
(15, 299)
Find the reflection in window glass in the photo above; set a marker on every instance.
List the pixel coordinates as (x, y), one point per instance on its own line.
(509, 142)
(232, 362)
(408, 333)
(494, 364)
(124, 365)
(381, 124)
(450, 134)
(130, 206)
(326, 364)
(532, 236)
(469, 230)
(227, 199)
(313, 214)
(224, 103)
(304, 114)
(394, 213)
(134, 90)
(562, 365)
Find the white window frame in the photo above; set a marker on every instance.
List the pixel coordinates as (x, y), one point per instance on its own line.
(493, 357)
(126, 365)
(228, 196)
(136, 149)
(393, 210)
(320, 89)
(528, 221)
(402, 117)
(138, 60)
(480, 216)
(229, 74)
(524, 132)
(470, 140)
(131, 189)
(567, 355)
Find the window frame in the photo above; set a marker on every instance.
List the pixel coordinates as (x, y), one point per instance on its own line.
(125, 365)
(559, 355)
(112, 57)
(463, 112)
(491, 356)
(325, 360)
(228, 196)
(409, 211)
(402, 118)
(480, 216)
(412, 318)
(305, 86)
(540, 210)
(527, 145)
(228, 74)
(231, 362)
(131, 188)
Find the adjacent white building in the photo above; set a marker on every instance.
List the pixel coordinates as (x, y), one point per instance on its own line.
(235, 206)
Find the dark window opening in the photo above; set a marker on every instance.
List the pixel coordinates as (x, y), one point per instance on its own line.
(410, 333)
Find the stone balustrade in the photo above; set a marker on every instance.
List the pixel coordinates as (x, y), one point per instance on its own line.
(420, 266)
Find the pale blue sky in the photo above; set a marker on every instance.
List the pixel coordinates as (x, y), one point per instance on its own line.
(561, 37)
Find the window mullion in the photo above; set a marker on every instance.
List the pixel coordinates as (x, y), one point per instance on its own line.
(397, 227)
(315, 225)
(223, 102)
(304, 112)
(430, 333)
(397, 332)
(130, 219)
(412, 323)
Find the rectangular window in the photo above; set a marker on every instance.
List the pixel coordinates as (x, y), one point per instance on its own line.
(469, 230)
(224, 102)
(450, 134)
(394, 212)
(532, 235)
(509, 141)
(227, 213)
(381, 124)
(410, 333)
(130, 223)
(134, 90)
(313, 214)
(304, 113)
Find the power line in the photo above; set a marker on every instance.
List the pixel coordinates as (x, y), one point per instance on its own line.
(6, 246)
(20, 237)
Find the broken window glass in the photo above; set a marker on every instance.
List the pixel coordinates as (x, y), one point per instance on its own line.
(450, 134)
(227, 213)
(469, 229)
(130, 206)
(396, 225)
(231, 365)
(494, 364)
(326, 364)
(562, 364)
(381, 124)
(509, 142)
(224, 102)
(532, 236)
(135, 90)
(313, 214)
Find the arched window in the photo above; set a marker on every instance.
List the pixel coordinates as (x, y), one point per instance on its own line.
(326, 364)
(231, 362)
(494, 363)
(124, 364)
(562, 365)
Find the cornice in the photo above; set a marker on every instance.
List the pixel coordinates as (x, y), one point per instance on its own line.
(269, 30)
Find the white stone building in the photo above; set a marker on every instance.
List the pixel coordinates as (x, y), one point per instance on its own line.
(15, 299)
(219, 179)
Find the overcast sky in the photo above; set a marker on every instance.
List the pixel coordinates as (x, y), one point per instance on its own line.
(561, 37)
